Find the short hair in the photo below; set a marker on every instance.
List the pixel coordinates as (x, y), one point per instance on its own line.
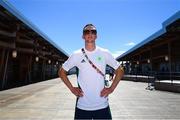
(89, 25)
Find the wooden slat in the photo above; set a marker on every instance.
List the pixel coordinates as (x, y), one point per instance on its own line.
(62, 59)
(25, 50)
(3, 25)
(25, 41)
(8, 34)
(45, 53)
(7, 45)
(160, 56)
(2, 14)
(42, 57)
(56, 56)
(24, 35)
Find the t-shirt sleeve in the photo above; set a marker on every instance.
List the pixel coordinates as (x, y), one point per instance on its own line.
(69, 63)
(111, 61)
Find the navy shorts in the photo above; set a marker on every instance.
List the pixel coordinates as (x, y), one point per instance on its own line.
(104, 113)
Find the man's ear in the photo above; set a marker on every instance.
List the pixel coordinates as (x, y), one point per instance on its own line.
(96, 37)
(83, 37)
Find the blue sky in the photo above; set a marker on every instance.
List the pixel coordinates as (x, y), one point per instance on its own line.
(121, 24)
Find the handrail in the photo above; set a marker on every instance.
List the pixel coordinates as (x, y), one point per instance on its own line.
(158, 76)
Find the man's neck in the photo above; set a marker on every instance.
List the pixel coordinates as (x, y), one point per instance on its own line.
(90, 47)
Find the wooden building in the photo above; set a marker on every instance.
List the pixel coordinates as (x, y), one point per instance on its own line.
(27, 55)
(158, 55)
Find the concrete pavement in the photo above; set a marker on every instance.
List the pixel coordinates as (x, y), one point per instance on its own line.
(51, 100)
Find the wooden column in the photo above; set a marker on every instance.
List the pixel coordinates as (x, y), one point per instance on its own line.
(170, 61)
(2, 61)
(151, 60)
(43, 69)
(29, 70)
(140, 63)
(2, 66)
(5, 69)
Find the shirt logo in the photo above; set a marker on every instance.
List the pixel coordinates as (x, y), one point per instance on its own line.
(99, 58)
(83, 61)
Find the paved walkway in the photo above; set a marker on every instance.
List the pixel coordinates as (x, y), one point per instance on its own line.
(51, 100)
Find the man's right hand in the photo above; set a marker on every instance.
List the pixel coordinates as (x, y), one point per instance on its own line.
(77, 91)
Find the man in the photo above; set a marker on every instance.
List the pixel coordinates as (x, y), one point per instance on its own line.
(92, 102)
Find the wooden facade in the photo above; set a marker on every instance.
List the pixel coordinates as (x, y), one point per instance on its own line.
(26, 54)
(158, 54)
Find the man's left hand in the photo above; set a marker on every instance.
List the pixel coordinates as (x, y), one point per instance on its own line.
(106, 91)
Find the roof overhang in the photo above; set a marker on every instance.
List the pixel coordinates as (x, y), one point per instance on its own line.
(151, 38)
(8, 6)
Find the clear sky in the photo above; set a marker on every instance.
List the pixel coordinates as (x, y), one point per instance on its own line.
(121, 24)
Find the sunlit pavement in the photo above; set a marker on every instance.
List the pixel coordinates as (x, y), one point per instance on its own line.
(51, 100)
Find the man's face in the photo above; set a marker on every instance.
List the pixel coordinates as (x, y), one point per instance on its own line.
(90, 34)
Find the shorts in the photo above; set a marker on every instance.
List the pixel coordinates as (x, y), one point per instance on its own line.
(104, 113)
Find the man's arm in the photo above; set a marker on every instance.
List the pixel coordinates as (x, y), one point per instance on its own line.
(118, 76)
(75, 90)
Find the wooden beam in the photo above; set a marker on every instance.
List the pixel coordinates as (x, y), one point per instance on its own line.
(61, 60)
(25, 50)
(42, 57)
(164, 41)
(4, 15)
(24, 35)
(7, 45)
(5, 26)
(45, 53)
(158, 57)
(8, 34)
(25, 41)
(56, 56)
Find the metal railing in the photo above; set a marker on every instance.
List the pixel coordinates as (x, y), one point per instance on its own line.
(153, 76)
(168, 76)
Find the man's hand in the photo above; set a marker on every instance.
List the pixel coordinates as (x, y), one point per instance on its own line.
(118, 75)
(106, 91)
(77, 91)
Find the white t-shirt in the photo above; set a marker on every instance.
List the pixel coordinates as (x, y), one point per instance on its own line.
(90, 81)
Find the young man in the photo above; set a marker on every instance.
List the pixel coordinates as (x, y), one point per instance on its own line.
(92, 102)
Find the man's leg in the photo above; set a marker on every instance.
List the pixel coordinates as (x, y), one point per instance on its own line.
(104, 114)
